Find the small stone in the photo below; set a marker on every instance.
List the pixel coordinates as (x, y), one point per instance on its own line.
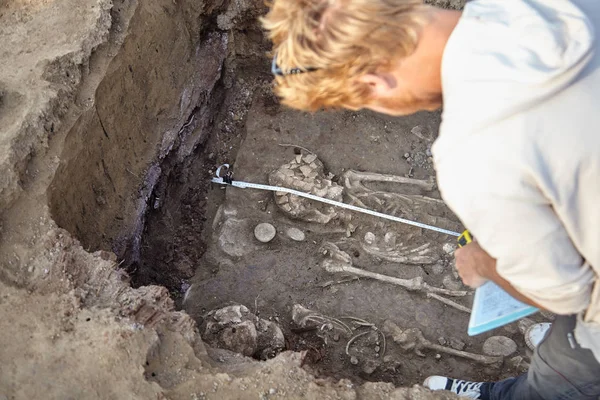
(456, 344)
(264, 232)
(407, 155)
(428, 152)
(438, 356)
(282, 199)
(295, 234)
(336, 337)
(272, 391)
(306, 170)
(442, 341)
(499, 346)
(449, 248)
(309, 158)
(377, 348)
(353, 360)
(369, 238)
(299, 158)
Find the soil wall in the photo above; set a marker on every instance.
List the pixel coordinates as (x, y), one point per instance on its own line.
(98, 100)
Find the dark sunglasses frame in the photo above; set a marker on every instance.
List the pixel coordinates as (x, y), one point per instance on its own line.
(275, 70)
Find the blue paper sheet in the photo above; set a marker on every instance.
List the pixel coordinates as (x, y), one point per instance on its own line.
(493, 307)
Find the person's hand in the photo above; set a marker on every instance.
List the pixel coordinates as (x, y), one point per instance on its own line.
(474, 265)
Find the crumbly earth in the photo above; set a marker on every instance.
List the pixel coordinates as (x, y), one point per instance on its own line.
(113, 116)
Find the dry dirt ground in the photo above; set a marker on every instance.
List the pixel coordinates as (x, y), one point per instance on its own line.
(113, 117)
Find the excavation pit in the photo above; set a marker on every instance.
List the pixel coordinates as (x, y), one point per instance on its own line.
(117, 219)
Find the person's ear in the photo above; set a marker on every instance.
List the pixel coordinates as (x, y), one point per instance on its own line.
(380, 85)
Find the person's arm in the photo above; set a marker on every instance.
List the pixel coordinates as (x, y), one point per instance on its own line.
(527, 250)
(475, 266)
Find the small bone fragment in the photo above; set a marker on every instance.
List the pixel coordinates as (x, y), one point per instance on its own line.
(309, 158)
(341, 261)
(449, 302)
(413, 339)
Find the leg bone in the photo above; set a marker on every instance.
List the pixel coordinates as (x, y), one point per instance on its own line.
(413, 339)
(354, 179)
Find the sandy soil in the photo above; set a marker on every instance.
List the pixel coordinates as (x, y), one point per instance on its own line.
(113, 116)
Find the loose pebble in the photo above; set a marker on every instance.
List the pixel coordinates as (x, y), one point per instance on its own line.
(353, 360)
(295, 234)
(264, 232)
(309, 158)
(377, 348)
(272, 391)
(306, 170)
(499, 346)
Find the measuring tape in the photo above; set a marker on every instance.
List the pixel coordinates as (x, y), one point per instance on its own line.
(227, 179)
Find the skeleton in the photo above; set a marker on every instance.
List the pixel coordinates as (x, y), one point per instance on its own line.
(412, 339)
(412, 206)
(340, 261)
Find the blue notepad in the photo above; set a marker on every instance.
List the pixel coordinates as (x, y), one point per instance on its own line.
(493, 307)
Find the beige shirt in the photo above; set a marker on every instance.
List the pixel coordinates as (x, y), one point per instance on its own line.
(518, 156)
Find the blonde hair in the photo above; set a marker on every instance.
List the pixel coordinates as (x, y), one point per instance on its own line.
(341, 40)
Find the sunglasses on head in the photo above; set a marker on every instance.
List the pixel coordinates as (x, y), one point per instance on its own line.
(277, 71)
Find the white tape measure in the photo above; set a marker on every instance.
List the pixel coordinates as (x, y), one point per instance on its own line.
(228, 180)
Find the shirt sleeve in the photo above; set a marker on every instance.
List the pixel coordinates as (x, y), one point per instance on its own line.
(533, 250)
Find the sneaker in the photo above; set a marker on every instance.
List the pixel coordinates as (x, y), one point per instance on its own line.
(462, 388)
